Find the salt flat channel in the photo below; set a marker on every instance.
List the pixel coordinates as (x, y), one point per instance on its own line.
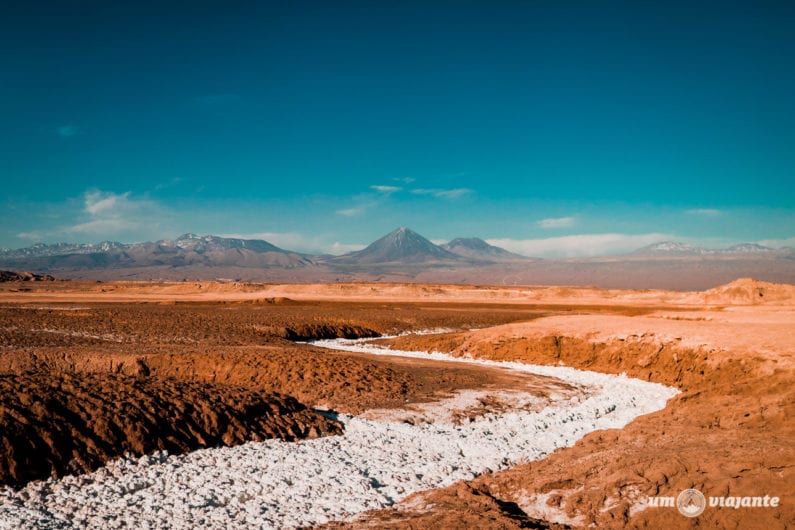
(376, 463)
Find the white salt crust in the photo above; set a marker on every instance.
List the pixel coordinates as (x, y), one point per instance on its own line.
(376, 463)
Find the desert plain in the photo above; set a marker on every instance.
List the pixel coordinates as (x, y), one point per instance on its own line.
(95, 377)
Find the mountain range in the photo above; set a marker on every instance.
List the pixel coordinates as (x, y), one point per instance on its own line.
(401, 246)
(401, 255)
(189, 249)
(671, 248)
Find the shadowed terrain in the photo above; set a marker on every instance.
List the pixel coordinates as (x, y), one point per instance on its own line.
(55, 423)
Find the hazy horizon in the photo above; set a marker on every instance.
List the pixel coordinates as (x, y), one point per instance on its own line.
(562, 247)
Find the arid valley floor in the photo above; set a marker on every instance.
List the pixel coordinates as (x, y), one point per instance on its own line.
(95, 373)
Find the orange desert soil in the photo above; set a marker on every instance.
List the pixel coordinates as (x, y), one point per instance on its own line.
(83, 384)
(729, 350)
(53, 424)
(244, 344)
(729, 433)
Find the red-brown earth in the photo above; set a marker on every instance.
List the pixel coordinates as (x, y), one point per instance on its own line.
(729, 351)
(55, 423)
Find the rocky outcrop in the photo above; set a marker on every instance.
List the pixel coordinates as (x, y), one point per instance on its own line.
(11, 276)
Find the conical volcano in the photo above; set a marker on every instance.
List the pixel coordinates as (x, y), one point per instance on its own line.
(400, 246)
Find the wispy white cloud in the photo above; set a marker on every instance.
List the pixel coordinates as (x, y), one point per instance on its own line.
(704, 212)
(386, 189)
(103, 228)
(352, 212)
(378, 195)
(583, 245)
(98, 202)
(169, 183)
(112, 214)
(66, 131)
(33, 235)
(104, 215)
(557, 222)
(338, 248)
(454, 193)
(381, 195)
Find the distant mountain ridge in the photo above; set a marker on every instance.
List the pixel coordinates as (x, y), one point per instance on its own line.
(476, 248)
(59, 249)
(672, 248)
(400, 256)
(402, 244)
(749, 248)
(188, 249)
(185, 242)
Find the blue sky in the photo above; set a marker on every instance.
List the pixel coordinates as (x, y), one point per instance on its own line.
(553, 128)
